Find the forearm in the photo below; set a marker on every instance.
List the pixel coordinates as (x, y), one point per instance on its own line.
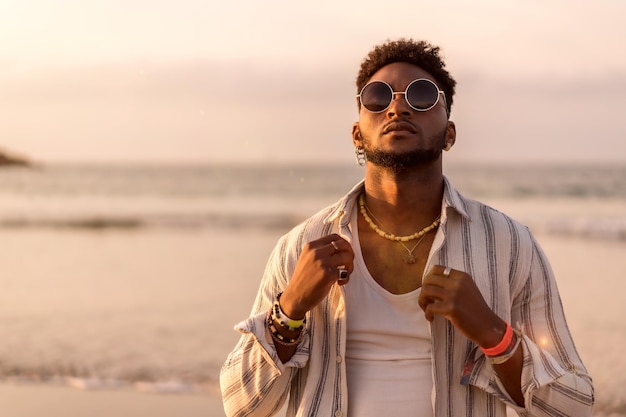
(285, 341)
(507, 359)
(510, 374)
(534, 383)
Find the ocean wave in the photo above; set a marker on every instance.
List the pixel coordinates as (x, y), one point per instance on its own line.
(269, 221)
(601, 229)
(149, 382)
(610, 228)
(84, 223)
(171, 386)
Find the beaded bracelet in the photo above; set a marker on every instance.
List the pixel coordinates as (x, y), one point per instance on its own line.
(279, 338)
(279, 316)
(504, 344)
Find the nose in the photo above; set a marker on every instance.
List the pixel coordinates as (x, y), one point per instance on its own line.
(399, 105)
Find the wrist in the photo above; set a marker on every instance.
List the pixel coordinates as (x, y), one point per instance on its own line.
(290, 309)
(281, 336)
(279, 317)
(509, 352)
(496, 333)
(501, 346)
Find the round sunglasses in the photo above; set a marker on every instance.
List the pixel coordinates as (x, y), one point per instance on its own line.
(421, 95)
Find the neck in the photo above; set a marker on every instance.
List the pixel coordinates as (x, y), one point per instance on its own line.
(405, 200)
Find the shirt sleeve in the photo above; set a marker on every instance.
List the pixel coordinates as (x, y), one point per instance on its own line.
(554, 379)
(253, 380)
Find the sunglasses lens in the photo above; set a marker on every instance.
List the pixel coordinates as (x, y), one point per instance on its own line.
(422, 94)
(376, 96)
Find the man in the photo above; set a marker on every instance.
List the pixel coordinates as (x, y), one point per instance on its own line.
(405, 298)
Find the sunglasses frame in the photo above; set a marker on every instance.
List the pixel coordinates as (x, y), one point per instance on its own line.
(393, 95)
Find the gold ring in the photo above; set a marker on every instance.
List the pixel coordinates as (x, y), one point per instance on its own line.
(446, 272)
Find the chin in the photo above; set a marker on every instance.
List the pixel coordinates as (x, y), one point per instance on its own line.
(402, 160)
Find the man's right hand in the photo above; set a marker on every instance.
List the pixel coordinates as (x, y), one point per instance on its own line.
(315, 273)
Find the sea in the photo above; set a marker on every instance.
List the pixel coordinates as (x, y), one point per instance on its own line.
(132, 276)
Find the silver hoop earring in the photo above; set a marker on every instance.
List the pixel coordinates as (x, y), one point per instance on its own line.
(360, 155)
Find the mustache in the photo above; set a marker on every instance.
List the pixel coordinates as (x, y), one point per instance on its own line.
(399, 125)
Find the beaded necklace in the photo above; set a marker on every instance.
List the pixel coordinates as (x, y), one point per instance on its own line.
(410, 259)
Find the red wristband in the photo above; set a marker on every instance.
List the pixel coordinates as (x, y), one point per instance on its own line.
(501, 347)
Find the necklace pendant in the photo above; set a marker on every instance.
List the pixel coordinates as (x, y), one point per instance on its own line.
(410, 259)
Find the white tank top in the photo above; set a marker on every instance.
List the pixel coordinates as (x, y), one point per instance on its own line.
(388, 350)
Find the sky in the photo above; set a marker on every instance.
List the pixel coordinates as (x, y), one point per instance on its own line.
(253, 82)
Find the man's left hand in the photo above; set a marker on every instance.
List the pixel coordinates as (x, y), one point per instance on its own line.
(456, 297)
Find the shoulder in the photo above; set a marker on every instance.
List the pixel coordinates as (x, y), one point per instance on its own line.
(329, 219)
(477, 215)
(318, 225)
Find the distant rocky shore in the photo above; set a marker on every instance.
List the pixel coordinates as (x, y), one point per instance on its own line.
(8, 159)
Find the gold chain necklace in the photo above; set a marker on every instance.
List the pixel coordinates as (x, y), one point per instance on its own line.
(410, 259)
(391, 236)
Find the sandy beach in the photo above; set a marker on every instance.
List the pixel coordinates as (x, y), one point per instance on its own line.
(52, 401)
(186, 308)
(589, 273)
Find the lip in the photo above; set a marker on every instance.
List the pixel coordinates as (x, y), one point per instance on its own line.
(399, 127)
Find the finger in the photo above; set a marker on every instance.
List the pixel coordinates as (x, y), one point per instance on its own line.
(340, 245)
(330, 245)
(429, 316)
(436, 308)
(431, 294)
(442, 270)
(325, 240)
(434, 291)
(342, 258)
(424, 302)
(332, 248)
(340, 248)
(428, 313)
(432, 300)
(438, 275)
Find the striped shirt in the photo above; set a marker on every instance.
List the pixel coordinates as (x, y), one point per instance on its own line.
(510, 270)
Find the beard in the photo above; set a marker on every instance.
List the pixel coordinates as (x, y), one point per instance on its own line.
(400, 161)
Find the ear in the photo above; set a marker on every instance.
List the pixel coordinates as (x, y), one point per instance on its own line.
(450, 136)
(356, 135)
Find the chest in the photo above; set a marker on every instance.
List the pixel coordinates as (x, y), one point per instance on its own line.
(398, 267)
